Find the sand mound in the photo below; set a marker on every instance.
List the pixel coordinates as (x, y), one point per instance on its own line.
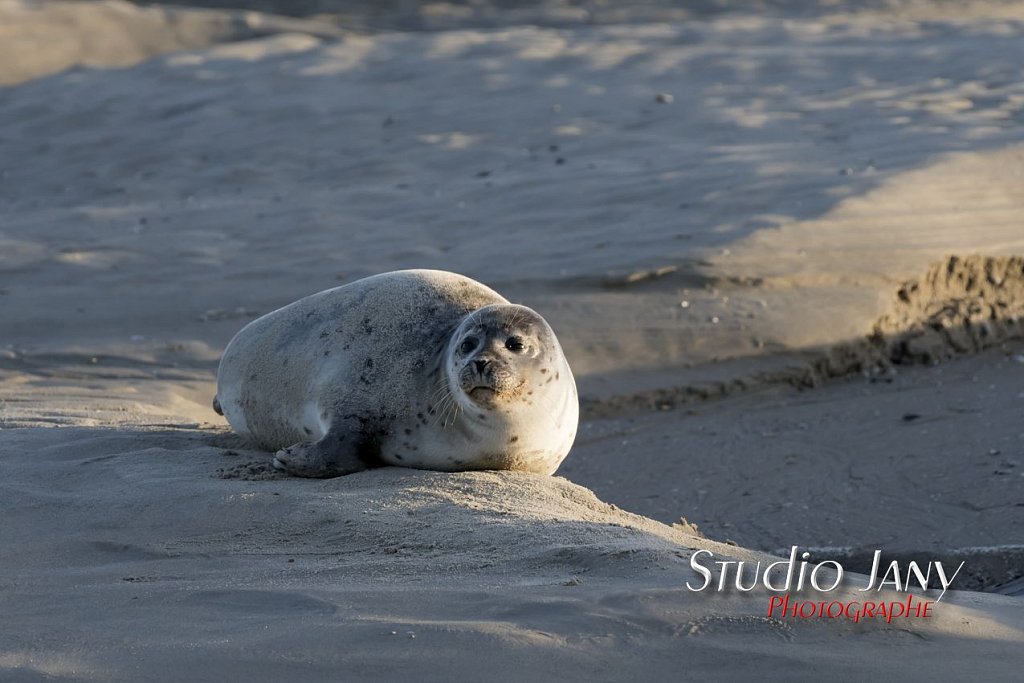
(128, 541)
(428, 520)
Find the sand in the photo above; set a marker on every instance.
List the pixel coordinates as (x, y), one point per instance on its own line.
(754, 232)
(137, 561)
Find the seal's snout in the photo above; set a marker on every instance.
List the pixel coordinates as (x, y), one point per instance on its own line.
(485, 379)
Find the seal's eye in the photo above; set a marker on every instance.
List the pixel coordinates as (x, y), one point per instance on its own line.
(468, 344)
(514, 344)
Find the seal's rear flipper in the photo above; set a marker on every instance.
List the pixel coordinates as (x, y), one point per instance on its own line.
(216, 406)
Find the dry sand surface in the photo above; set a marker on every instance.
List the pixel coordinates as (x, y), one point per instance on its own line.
(754, 232)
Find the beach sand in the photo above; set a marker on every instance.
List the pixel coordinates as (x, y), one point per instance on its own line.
(777, 248)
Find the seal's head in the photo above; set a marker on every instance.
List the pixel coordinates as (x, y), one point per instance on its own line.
(500, 353)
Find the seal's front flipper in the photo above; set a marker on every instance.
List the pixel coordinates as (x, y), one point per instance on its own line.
(331, 456)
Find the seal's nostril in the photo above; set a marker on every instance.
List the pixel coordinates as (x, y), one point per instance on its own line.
(480, 365)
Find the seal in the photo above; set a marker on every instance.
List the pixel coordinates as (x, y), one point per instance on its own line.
(413, 368)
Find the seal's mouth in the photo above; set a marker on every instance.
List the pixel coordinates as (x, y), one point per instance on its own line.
(490, 395)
